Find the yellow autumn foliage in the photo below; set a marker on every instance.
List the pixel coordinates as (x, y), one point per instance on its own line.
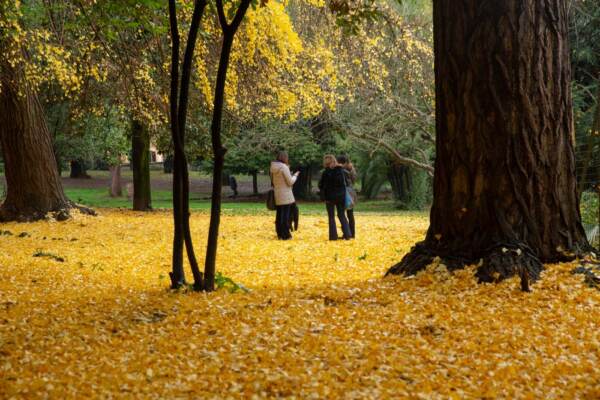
(319, 320)
(273, 71)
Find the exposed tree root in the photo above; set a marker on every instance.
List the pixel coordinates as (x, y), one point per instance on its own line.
(496, 263)
(9, 214)
(504, 262)
(177, 284)
(417, 259)
(84, 210)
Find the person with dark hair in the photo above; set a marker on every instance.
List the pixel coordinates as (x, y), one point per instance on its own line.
(283, 181)
(351, 176)
(333, 190)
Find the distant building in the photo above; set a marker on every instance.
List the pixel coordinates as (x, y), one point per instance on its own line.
(155, 156)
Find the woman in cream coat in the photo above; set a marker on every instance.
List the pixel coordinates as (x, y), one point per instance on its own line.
(283, 181)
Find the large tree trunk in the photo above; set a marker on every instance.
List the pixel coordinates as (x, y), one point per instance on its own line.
(33, 184)
(504, 185)
(140, 165)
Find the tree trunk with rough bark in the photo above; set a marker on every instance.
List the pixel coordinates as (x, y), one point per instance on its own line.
(140, 165)
(33, 184)
(504, 187)
(115, 189)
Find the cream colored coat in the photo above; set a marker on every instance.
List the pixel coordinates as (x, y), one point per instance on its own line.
(283, 180)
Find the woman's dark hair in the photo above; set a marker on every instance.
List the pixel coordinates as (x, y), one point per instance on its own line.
(342, 159)
(281, 156)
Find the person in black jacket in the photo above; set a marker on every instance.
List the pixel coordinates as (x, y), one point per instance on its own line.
(332, 188)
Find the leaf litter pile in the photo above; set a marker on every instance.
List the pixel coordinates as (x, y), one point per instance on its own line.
(85, 311)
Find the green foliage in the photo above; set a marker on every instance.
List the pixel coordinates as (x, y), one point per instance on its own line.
(589, 208)
(351, 15)
(94, 138)
(585, 59)
(252, 149)
(224, 282)
(420, 195)
(373, 174)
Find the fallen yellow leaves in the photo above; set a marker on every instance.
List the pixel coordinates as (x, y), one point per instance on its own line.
(319, 322)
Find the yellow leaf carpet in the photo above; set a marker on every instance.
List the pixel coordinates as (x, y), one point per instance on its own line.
(91, 316)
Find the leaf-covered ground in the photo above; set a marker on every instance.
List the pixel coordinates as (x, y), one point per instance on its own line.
(85, 312)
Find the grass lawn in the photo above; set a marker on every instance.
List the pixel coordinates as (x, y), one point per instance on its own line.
(161, 199)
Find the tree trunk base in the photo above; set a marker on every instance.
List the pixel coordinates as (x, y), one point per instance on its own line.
(63, 213)
(176, 283)
(499, 262)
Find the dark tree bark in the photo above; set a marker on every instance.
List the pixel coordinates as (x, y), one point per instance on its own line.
(401, 181)
(33, 184)
(115, 189)
(255, 183)
(504, 186)
(229, 30)
(303, 186)
(140, 165)
(78, 170)
(178, 115)
(168, 164)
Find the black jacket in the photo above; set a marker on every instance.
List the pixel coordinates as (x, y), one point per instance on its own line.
(332, 185)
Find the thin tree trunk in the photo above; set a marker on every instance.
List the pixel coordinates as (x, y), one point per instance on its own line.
(186, 72)
(33, 185)
(140, 165)
(301, 188)
(229, 31)
(177, 274)
(397, 175)
(178, 114)
(168, 164)
(115, 189)
(219, 160)
(255, 183)
(78, 170)
(504, 186)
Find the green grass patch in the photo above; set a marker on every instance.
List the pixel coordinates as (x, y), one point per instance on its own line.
(161, 199)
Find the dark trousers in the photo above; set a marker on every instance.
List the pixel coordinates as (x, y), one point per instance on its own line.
(351, 223)
(331, 208)
(282, 221)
